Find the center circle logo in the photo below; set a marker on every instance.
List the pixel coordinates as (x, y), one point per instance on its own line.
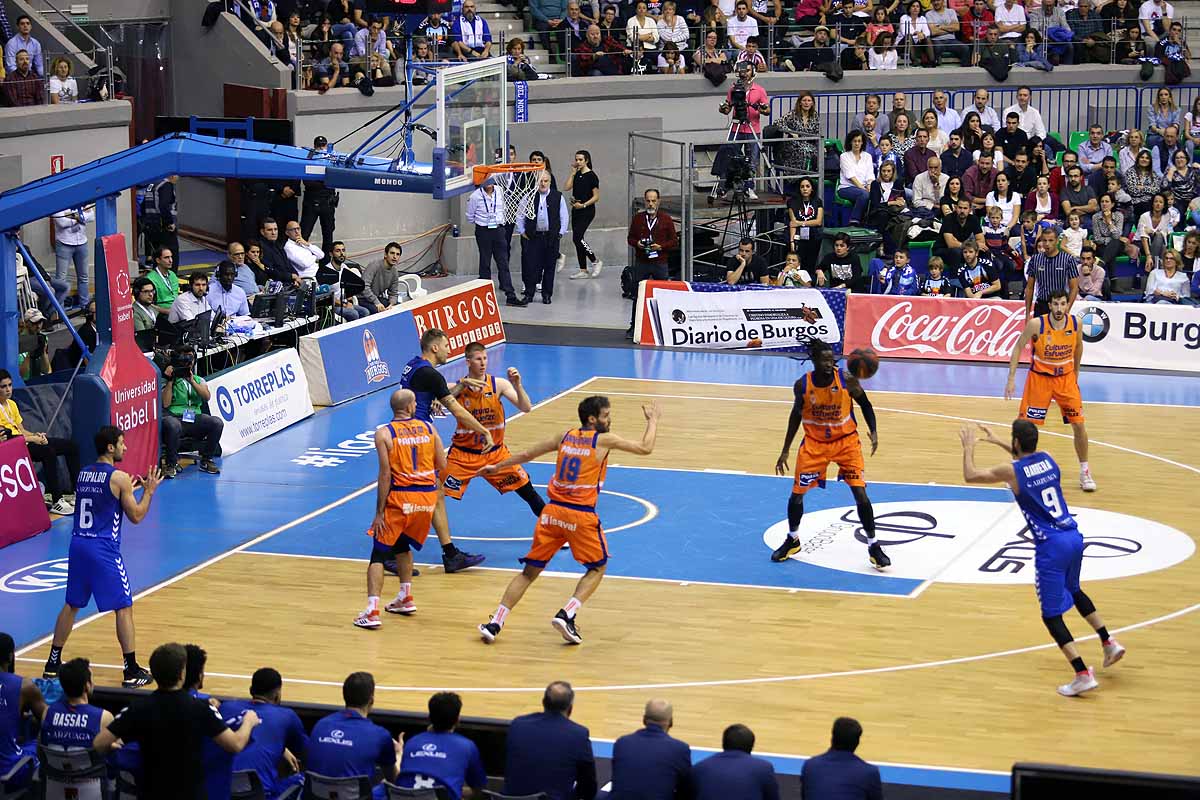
(962, 541)
(225, 403)
(44, 576)
(1094, 323)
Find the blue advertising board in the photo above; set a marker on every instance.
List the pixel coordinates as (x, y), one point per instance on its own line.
(351, 360)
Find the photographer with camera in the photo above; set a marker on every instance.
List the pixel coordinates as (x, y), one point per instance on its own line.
(652, 236)
(745, 103)
(183, 401)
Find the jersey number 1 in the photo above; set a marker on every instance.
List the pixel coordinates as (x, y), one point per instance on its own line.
(568, 470)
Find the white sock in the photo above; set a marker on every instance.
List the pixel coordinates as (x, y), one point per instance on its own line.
(405, 592)
(500, 615)
(1083, 466)
(572, 607)
(372, 603)
(795, 535)
(870, 538)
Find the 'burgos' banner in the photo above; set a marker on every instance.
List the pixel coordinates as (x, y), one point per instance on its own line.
(467, 313)
(260, 397)
(130, 377)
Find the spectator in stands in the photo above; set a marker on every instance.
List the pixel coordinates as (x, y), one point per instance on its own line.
(987, 115)
(1058, 174)
(805, 217)
(1154, 16)
(1077, 196)
(1010, 139)
(935, 283)
(192, 303)
(1044, 18)
(33, 360)
(276, 41)
(320, 39)
(71, 247)
(916, 160)
(301, 254)
(20, 695)
(547, 752)
(145, 315)
(962, 227)
(641, 34)
(575, 25)
(63, 88)
(1003, 197)
(604, 56)
(1021, 175)
(1093, 150)
(734, 772)
(746, 266)
(166, 282)
(883, 54)
(843, 268)
(838, 772)
(887, 207)
(332, 72)
(347, 19)
(439, 758)
(902, 134)
(245, 278)
(809, 13)
(928, 188)
(944, 25)
(470, 36)
(873, 105)
(1029, 118)
(22, 86)
(673, 28)
(978, 275)
(1108, 225)
(382, 279)
(346, 744)
(871, 136)
(43, 449)
(183, 400)
(435, 32)
(938, 138)
(1169, 283)
(170, 725)
(649, 764)
(791, 274)
(226, 296)
(972, 132)
(275, 261)
(947, 118)
(548, 16)
(1092, 277)
(1153, 228)
(857, 173)
(336, 270)
(956, 159)
(652, 236)
(855, 58)
(897, 278)
(520, 68)
(1162, 114)
(1163, 153)
(279, 737)
(1010, 21)
(978, 182)
(373, 39)
(880, 23)
(23, 40)
(976, 23)
(1092, 45)
(1181, 180)
(844, 26)
(1120, 17)
(915, 36)
(951, 196)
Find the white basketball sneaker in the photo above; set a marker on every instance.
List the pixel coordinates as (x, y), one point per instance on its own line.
(560, 262)
(594, 270)
(1086, 481)
(1084, 682)
(1113, 652)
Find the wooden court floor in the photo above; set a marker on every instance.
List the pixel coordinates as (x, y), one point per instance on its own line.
(961, 676)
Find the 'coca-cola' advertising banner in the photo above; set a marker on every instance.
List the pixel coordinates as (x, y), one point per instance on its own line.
(935, 327)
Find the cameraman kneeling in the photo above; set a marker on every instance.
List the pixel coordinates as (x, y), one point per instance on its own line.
(745, 103)
(183, 398)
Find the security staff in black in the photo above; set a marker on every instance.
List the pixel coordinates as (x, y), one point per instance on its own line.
(320, 203)
(541, 221)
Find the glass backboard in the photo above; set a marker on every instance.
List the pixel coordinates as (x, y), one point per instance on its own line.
(472, 118)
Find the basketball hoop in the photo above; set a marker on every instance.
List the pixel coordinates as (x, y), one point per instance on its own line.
(518, 180)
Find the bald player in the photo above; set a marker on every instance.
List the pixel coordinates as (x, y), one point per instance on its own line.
(410, 459)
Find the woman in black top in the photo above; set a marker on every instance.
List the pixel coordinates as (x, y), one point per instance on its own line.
(805, 216)
(584, 187)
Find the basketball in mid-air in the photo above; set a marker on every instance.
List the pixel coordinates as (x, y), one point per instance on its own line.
(863, 363)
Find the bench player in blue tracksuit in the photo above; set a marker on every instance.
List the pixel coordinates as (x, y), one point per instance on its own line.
(1036, 482)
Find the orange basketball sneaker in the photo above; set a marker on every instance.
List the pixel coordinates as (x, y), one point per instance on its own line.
(401, 605)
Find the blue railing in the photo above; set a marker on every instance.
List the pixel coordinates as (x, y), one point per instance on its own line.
(1063, 108)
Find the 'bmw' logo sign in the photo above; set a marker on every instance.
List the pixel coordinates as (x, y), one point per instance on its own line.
(1094, 324)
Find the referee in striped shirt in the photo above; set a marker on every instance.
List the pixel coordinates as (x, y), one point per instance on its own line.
(1049, 270)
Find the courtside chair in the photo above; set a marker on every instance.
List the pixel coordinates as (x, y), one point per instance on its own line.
(246, 785)
(395, 792)
(73, 774)
(497, 796)
(7, 792)
(322, 787)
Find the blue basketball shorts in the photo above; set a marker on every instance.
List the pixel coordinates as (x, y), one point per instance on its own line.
(95, 569)
(1057, 563)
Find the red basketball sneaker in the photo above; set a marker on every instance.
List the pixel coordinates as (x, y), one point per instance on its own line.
(405, 606)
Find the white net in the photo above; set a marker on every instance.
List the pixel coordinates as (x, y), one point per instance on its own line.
(518, 182)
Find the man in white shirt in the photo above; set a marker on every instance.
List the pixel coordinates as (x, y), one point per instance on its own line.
(542, 221)
(928, 188)
(1155, 16)
(948, 119)
(226, 295)
(71, 245)
(192, 303)
(300, 254)
(1010, 21)
(1030, 118)
(485, 210)
(372, 40)
(741, 26)
(987, 114)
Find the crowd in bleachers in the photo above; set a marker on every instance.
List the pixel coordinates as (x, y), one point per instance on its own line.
(181, 742)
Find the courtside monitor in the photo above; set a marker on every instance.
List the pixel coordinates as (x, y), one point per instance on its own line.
(1050, 782)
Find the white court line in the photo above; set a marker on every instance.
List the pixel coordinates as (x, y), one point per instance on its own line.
(851, 673)
(882, 391)
(650, 513)
(789, 477)
(1122, 448)
(932, 579)
(262, 538)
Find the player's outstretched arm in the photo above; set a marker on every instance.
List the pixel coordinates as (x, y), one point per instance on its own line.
(539, 449)
(794, 419)
(860, 396)
(513, 390)
(1010, 388)
(134, 508)
(972, 474)
(610, 441)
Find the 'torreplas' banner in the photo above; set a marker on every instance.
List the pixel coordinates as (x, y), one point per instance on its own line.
(260, 397)
(749, 318)
(467, 313)
(22, 510)
(934, 327)
(131, 378)
(1140, 335)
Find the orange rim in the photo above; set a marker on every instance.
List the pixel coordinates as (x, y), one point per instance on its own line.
(481, 172)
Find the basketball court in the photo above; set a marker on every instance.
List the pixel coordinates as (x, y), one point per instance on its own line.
(265, 564)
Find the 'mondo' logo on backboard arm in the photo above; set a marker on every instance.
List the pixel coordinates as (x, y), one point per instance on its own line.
(377, 368)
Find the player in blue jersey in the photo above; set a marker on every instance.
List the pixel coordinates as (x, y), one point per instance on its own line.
(346, 744)
(73, 722)
(103, 498)
(17, 695)
(420, 375)
(279, 736)
(439, 758)
(1036, 482)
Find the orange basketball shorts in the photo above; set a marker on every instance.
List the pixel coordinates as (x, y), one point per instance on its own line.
(1041, 389)
(407, 518)
(815, 456)
(462, 465)
(562, 524)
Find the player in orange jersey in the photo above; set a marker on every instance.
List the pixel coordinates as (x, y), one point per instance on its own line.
(410, 460)
(482, 395)
(570, 516)
(1053, 375)
(823, 406)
